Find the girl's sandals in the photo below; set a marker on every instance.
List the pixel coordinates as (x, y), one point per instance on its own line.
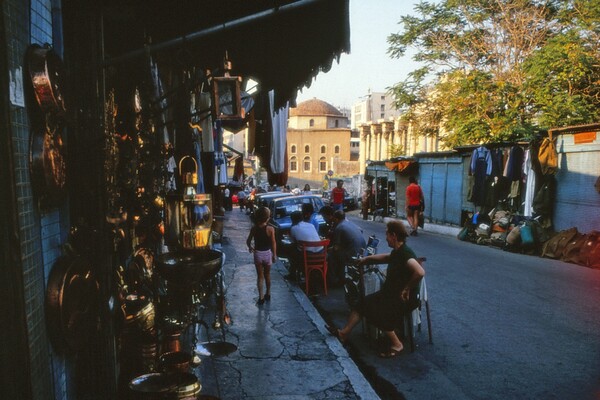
(391, 353)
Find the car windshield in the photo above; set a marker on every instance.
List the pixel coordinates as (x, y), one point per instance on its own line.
(285, 207)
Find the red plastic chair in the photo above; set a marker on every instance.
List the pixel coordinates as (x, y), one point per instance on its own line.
(315, 261)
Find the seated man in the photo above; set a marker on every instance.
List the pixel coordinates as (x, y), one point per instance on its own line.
(386, 308)
(347, 242)
(301, 231)
(327, 213)
(309, 215)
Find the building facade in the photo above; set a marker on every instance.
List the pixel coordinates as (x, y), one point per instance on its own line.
(318, 143)
(374, 106)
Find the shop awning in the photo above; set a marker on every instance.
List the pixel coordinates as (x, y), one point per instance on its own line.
(282, 44)
(398, 166)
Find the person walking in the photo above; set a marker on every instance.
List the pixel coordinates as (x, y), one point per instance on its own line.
(306, 189)
(386, 308)
(227, 198)
(265, 252)
(241, 199)
(414, 197)
(337, 196)
(366, 199)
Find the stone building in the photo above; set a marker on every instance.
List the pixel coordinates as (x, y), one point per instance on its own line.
(318, 141)
(379, 138)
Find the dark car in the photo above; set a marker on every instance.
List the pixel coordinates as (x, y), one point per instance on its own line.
(350, 202)
(262, 199)
(281, 211)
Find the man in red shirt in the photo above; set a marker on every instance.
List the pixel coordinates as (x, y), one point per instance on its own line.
(414, 195)
(337, 196)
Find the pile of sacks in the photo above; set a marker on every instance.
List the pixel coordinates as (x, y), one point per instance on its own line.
(572, 246)
(517, 233)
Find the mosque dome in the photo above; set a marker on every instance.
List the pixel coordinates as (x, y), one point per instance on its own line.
(314, 107)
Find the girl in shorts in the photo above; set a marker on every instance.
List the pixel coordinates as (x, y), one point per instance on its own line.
(265, 251)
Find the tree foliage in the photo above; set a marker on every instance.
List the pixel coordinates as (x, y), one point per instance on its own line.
(493, 70)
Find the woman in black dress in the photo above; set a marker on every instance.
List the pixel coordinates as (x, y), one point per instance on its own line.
(386, 307)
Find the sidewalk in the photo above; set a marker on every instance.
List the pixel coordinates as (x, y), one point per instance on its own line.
(283, 349)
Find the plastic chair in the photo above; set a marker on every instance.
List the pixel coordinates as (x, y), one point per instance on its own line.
(315, 261)
(413, 319)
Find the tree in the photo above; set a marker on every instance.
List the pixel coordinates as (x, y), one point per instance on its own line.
(564, 82)
(476, 64)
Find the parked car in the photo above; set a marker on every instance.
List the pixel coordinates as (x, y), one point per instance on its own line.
(281, 211)
(262, 199)
(350, 201)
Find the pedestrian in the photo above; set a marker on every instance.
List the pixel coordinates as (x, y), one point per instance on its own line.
(397, 297)
(337, 196)
(265, 252)
(414, 197)
(347, 241)
(227, 198)
(241, 199)
(366, 199)
(306, 189)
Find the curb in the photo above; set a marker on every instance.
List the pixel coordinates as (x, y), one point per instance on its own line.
(359, 383)
(434, 228)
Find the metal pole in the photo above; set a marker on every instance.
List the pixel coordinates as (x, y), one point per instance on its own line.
(196, 36)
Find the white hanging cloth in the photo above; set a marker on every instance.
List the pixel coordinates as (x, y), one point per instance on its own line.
(279, 120)
(529, 174)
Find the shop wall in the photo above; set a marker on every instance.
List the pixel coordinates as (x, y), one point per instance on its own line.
(41, 232)
(441, 179)
(577, 200)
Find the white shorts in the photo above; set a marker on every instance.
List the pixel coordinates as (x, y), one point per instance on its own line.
(263, 257)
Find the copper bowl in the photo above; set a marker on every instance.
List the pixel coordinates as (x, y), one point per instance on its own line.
(185, 268)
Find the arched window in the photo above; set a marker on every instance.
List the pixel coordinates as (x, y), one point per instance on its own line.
(293, 149)
(306, 164)
(311, 123)
(322, 164)
(323, 149)
(307, 149)
(293, 164)
(336, 149)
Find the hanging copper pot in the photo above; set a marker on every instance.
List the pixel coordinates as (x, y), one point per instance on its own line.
(72, 303)
(46, 72)
(48, 162)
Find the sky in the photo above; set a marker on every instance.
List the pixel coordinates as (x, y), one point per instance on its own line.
(368, 66)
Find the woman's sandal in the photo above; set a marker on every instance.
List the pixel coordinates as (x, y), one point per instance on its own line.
(335, 332)
(391, 353)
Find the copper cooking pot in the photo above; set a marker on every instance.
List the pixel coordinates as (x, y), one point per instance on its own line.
(171, 340)
(174, 361)
(72, 303)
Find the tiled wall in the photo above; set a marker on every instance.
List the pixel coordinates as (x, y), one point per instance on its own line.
(41, 234)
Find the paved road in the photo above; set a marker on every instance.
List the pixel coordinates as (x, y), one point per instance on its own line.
(505, 326)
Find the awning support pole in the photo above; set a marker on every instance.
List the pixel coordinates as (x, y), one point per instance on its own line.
(169, 44)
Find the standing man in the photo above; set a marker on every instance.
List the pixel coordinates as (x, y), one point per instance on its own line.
(337, 196)
(227, 198)
(241, 199)
(414, 196)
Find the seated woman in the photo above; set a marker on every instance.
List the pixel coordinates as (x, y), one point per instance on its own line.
(386, 308)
